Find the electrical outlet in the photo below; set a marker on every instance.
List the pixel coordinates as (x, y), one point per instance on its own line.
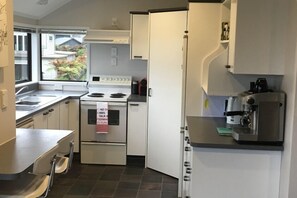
(3, 99)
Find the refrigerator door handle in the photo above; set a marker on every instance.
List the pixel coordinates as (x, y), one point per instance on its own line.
(150, 92)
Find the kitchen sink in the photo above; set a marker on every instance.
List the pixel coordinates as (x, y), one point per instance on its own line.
(29, 103)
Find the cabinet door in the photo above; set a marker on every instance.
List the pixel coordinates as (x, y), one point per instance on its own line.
(139, 36)
(64, 115)
(165, 85)
(53, 118)
(40, 120)
(137, 131)
(257, 37)
(74, 121)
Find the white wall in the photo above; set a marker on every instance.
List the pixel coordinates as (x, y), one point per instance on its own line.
(289, 158)
(7, 116)
(100, 62)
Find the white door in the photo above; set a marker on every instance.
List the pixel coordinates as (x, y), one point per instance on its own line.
(165, 90)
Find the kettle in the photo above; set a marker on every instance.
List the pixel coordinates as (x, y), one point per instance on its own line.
(233, 110)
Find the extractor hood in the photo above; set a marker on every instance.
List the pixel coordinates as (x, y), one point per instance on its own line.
(107, 36)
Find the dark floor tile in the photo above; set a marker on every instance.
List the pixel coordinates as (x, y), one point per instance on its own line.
(58, 181)
(133, 171)
(82, 187)
(148, 171)
(75, 196)
(150, 186)
(58, 191)
(110, 177)
(152, 178)
(131, 178)
(90, 176)
(169, 194)
(169, 187)
(168, 179)
(149, 194)
(104, 189)
(114, 169)
(129, 185)
(125, 193)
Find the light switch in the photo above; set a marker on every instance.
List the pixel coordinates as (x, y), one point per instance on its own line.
(114, 51)
(3, 99)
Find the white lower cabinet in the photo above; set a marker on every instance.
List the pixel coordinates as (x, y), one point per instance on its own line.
(64, 114)
(48, 119)
(73, 120)
(137, 128)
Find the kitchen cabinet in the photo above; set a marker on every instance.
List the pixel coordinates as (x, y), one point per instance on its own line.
(139, 35)
(137, 128)
(74, 121)
(47, 119)
(257, 37)
(64, 115)
(165, 90)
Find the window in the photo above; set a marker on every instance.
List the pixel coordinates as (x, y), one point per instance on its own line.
(22, 55)
(63, 55)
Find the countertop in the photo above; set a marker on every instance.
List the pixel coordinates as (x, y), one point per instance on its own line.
(62, 95)
(19, 154)
(203, 133)
(136, 98)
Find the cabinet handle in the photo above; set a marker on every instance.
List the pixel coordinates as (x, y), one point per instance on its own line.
(134, 104)
(45, 113)
(186, 138)
(187, 178)
(137, 56)
(189, 170)
(67, 102)
(227, 66)
(187, 148)
(51, 110)
(187, 164)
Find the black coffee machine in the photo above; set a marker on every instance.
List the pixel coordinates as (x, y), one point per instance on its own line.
(143, 87)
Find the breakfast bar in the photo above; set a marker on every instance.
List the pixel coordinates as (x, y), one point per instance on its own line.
(222, 167)
(18, 155)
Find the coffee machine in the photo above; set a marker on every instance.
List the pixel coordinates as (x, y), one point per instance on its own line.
(262, 117)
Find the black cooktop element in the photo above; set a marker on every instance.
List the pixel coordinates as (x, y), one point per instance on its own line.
(117, 95)
(98, 95)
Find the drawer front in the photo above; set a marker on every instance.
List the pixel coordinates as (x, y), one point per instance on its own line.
(96, 153)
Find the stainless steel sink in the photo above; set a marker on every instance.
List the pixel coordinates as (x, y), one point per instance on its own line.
(30, 102)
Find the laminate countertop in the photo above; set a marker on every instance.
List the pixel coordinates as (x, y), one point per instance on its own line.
(18, 155)
(203, 133)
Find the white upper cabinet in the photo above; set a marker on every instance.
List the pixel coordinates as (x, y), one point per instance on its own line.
(139, 35)
(257, 37)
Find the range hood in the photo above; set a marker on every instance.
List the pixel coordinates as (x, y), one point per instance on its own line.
(107, 36)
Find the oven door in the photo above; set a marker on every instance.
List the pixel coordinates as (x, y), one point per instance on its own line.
(117, 112)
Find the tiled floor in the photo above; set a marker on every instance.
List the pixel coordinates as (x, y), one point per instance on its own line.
(96, 181)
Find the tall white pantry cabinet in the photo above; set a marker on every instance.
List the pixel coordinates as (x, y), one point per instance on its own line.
(166, 31)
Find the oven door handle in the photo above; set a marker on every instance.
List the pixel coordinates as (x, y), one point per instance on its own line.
(97, 143)
(122, 104)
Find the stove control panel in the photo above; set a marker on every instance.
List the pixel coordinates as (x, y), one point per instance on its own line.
(110, 80)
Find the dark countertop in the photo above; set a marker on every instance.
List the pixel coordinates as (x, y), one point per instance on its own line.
(19, 154)
(203, 133)
(61, 95)
(136, 98)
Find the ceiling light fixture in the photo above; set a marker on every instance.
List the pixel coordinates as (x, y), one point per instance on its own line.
(42, 2)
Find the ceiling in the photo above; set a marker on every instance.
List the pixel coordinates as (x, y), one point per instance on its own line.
(31, 8)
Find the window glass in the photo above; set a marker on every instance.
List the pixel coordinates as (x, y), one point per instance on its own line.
(63, 56)
(22, 56)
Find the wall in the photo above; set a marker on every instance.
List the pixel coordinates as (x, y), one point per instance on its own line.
(289, 161)
(98, 14)
(100, 62)
(7, 116)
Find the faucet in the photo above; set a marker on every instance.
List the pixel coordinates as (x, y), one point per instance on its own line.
(21, 89)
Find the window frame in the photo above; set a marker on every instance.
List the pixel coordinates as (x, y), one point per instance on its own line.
(29, 53)
(60, 31)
